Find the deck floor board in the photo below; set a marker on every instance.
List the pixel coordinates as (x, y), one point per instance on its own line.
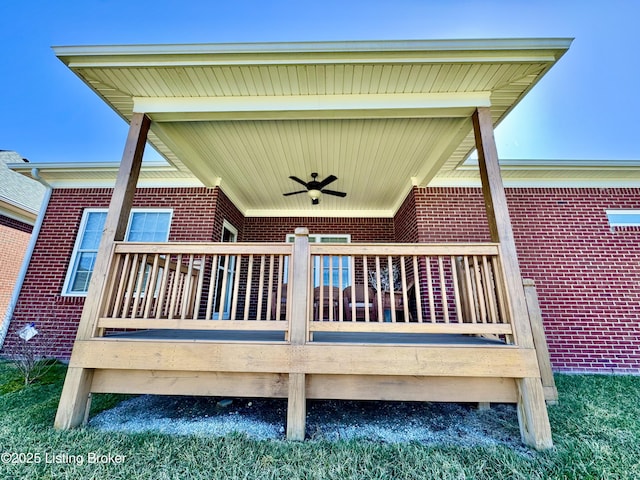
(318, 337)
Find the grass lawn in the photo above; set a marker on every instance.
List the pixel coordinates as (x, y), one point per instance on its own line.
(596, 430)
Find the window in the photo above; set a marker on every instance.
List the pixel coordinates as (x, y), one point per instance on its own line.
(144, 226)
(321, 265)
(623, 218)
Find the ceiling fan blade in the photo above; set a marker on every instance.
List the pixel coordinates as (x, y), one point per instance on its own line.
(296, 179)
(327, 181)
(333, 192)
(315, 201)
(294, 193)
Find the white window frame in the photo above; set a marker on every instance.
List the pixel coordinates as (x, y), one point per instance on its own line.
(620, 214)
(318, 269)
(80, 234)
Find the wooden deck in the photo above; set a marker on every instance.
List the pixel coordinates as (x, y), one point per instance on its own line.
(325, 314)
(339, 365)
(444, 331)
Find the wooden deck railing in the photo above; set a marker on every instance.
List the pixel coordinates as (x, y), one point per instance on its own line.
(428, 288)
(403, 288)
(188, 285)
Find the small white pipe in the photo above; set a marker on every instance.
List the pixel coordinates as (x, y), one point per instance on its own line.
(4, 328)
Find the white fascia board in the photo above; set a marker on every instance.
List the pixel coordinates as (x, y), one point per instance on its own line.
(532, 182)
(164, 109)
(21, 213)
(564, 164)
(110, 183)
(461, 50)
(79, 166)
(78, 175)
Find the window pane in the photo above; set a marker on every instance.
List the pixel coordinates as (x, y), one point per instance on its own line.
(93, 231)
(333, 239)
(321, 263)
(84, 268)
(144, 227)
(626, 219)
(149, 227)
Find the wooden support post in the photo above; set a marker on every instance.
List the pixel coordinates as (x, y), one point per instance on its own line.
(540, 341)
(296, 407)
(298, 332)
(77, 385)
(534, 420)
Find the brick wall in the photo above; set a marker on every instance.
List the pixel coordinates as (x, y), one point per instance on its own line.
(257, 229)
(14, 239)
(587, 276)
(41, 301)
(15, 224)
(405, 223)
(226, 210)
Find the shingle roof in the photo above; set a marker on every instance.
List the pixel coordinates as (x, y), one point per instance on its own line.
(18, 190)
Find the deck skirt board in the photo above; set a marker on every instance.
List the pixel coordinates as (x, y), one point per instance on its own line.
(419, 389)
(190, 383)
(341, 387)
(310, 358)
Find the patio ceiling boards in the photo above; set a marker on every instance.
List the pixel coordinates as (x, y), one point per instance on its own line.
(381, 116)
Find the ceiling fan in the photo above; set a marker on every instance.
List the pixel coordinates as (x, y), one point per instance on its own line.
(315, 189)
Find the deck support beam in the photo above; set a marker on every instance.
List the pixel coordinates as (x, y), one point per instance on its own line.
(72, 409)
(532, 412)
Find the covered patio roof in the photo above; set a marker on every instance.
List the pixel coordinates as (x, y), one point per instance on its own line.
(380, 116)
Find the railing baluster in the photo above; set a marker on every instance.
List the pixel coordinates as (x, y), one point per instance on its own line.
(330, 306)
(128, 296)
(432, 302)
(138, 289)
(247, 297)
(365, 276)
(405, 299)
(501, 293)
(212, 287)
(379, 290)
(340, 287)
(163, 286)
(175, 287)
(279, 288)
(489, 290)
(117, 306)
(260, 287)
(443, 290)
(150, 284)
(196, 305)
(321, 292)
(472, 294)
(186, 291)
(392, 296)
(480, 291)
(456, 289)
(416, 288)
(270, 287)
(236, 287)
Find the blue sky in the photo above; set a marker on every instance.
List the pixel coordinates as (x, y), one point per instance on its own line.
(587, 107)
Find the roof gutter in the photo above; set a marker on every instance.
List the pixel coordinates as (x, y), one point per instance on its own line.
(6, 321)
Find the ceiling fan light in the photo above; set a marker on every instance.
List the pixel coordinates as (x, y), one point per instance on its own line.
(314, 194)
